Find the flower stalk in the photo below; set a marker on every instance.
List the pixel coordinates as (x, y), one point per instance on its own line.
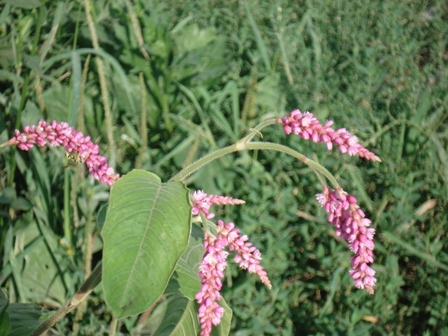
(240, 146)
(81, 295)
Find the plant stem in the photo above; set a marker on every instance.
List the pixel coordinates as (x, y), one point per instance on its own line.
(256, 130)
(284, 149)
(204, 222)
(83, 292)
(190, 169)
(113, 326)
(203, 161)
(241, 145)
(67, 230)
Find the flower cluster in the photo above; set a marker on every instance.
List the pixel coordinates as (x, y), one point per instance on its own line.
(61, 134)
(353, 227)
(211, 270)
(247, 256)
(202, 202)
(308, 127)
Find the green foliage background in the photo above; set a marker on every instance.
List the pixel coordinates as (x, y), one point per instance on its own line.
(184, 78)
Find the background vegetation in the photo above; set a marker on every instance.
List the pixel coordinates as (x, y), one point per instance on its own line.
(158, 85)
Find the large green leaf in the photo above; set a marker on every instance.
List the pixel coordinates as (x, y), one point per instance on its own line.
(24, 317)
(5, 325)
(18, 319)
(180, 318)
(38, 264)
(146, 231)
(186, 277)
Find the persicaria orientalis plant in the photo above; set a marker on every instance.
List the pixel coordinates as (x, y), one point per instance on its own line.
(161, 214)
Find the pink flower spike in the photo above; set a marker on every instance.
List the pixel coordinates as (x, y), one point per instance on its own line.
(62, 134)
(308, 127)
(201, 202)
(248, 257)
(211, 272)
(348, 218)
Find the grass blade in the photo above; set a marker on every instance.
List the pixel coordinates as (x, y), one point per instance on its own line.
(413, 251)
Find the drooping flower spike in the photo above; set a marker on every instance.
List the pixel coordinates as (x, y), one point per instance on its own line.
(308, 127)
(62, 134)
(211, 270)
(353, 227)
(247, 256)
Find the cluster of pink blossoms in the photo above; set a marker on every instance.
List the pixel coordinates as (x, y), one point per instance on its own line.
(202, 202)
(353, 227)
(214, 262)
(61, 134)
(307, 126)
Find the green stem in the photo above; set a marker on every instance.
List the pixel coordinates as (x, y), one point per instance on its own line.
(203, 161)
(89, 285)
(113, 326)
(256, 130)
(204, 222)
(67, 231)
(284, 149)
(240, 145)
(221, 152)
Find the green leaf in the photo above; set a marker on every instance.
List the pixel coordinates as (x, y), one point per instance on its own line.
(101, 215)
(9, 76)
(186, 277)
(191, 37)
(410, 249)
(223, 329)
(3, 300)
(40, 278)
(5, 325)
(56, 98)
(72, 116)
(21, 203)
(8, 195)
(24, 317)
(18, 319)
(260, 42)
(27, 4)
(146, 231)
(180, 318)
(108, 58)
